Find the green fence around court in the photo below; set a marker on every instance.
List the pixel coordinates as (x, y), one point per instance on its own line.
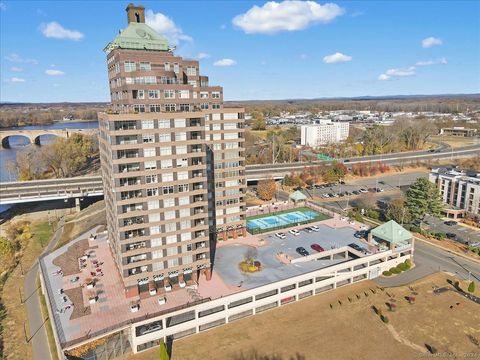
(256, 231)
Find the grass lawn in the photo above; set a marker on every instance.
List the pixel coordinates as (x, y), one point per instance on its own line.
(16, 313)
(320, 325)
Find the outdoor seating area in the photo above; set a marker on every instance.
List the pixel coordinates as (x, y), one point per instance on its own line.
(87, 296)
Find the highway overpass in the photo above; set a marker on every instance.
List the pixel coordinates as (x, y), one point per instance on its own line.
(78, 187)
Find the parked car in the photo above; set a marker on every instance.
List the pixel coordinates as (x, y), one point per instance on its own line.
(355, 246)
(450, 223)
(363, 190)
(317, 247)
(378, 189)
(356, 192)
(342, 182)
(294, 232)
(360, 234)
(451, 236)
(152, 291)
(346, 160)
(281, 235)
(308, 229)
(301, 250)
(315, 228)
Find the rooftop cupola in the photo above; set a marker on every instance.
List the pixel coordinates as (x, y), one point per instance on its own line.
(135, 14)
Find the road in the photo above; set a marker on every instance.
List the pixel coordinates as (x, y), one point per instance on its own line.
(429, 259)
(38, 334)
(38, 190)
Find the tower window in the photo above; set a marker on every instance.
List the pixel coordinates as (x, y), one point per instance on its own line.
(137, 17)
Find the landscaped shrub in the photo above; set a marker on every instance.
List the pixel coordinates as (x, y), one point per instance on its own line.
(402, 267)
(395, 270)
(414, 228)
(373, 214)
(408, 262)
(387, 273)
(440, 236)
(471, 287)
(384, 319)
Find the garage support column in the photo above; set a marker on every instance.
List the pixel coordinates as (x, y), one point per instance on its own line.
(77, 205)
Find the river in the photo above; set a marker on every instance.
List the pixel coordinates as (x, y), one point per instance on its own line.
(18, 143)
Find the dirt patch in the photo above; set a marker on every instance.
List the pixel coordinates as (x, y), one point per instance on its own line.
(76, 296)
(68, 261)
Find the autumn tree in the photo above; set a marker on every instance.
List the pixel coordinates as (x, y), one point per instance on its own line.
(397, 211)
(266, 189)
(366, 201)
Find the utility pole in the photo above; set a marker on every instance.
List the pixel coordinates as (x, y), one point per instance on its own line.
(273, 149)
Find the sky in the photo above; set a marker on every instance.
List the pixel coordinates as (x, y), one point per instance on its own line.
(52, 51)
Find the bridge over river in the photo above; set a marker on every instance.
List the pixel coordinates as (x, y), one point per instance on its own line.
(34, 135)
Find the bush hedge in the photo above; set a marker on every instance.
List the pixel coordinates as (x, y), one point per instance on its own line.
(395, 270)
(440, 236)
(387, 273)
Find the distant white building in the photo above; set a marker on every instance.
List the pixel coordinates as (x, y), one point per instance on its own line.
(326, 132)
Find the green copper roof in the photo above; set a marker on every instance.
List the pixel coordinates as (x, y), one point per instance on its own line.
(392, 232)
(297, 196)
(138, 36)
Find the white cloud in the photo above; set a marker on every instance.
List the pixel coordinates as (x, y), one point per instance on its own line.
(225, 62)
(52, 72)
(410, 71)
(16, 69)
(166, 27)
(57, 31)
(16, 80)
(18, 59)
(289, 15)
(431, 41)
(336, 58)
(442, 61)
(201, 56)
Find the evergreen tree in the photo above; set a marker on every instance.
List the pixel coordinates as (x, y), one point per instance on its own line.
(471, 287)
(423, 198)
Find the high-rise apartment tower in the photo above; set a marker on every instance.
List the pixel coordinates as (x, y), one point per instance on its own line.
(172, 161)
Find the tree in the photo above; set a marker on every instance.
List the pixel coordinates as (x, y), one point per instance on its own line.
(259, 124)
(366, 201)
(423, 198)
(397, 211)
(471, 287)
(266, 189)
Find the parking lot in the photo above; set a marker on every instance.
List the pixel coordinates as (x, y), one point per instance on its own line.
(378, 184)
(228, 257)
(463, 233)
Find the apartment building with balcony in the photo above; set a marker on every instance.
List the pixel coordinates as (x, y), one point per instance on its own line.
(324, 133)
(172, 159)
(459, 188)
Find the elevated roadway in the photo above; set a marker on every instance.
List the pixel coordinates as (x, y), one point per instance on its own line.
(77, 187)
